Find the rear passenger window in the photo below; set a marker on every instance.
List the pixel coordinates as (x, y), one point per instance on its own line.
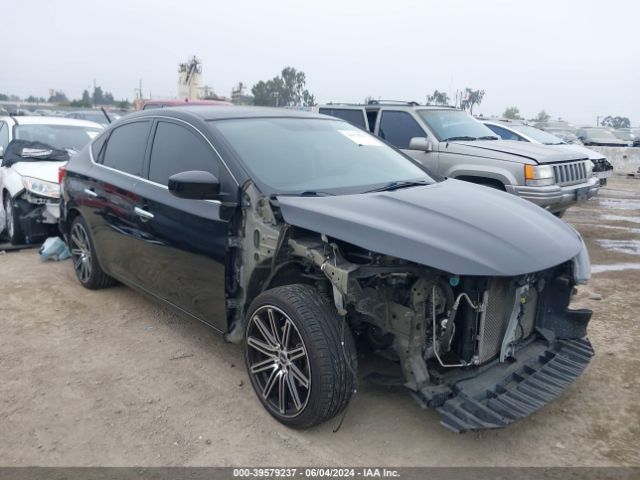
(398, 128)
(179, 149)
(354, 117)
(126, 147)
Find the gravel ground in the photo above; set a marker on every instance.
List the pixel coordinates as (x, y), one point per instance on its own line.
(112, 378)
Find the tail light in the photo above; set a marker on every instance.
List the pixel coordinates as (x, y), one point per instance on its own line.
(61, 171)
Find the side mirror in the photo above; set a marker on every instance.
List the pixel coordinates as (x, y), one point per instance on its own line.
(195, 185)
(1, 151)
(421, 143)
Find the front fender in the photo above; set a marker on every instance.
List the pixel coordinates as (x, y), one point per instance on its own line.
(12, 182)
(503, 175)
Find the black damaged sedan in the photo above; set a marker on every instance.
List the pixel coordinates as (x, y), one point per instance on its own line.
(294, 233)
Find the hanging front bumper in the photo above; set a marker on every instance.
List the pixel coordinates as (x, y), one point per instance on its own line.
(507, 392)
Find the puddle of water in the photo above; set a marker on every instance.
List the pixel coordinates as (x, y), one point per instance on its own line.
(619, 204)
(620, 218)
(616, 267)
(622, 193)
(631, 247)
(611, 227)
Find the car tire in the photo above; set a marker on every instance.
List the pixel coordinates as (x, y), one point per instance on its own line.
(13, 228)
(85, 261)
(312, 352)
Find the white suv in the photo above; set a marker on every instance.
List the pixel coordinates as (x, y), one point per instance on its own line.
(30, 189)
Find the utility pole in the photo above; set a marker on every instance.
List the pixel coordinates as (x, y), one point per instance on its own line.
(94, 93)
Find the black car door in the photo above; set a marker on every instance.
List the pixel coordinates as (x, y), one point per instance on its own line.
(185, 240)
(109, 200)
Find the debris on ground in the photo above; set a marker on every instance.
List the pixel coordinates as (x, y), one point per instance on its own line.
(54, 248)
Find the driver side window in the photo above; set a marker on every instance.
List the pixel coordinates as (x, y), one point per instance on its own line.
(398, 128)
(176, 149)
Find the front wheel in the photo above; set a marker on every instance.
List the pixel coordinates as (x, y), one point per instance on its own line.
(300, 356)
(13, 226)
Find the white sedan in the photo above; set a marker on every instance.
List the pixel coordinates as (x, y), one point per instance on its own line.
(515, 130)
(30, 189)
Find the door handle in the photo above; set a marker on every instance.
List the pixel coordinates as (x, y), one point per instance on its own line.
(144, 215)
(90, 192)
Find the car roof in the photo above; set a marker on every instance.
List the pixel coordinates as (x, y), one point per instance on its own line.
(224, 112)
(43, 120)
(388, 104)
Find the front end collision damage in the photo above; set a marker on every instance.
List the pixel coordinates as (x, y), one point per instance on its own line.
(485, 346)
(38, 216)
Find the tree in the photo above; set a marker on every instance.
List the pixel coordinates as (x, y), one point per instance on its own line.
(80, 103)
(58, 96)
(615, 122)
(123, 104)
(4, 97)
(438, 98)
(285, 90)
(470, 98)
(511, 113)
(86, 98)
(542, 116)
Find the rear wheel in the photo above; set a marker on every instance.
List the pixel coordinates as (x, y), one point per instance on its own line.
(85, 260)
(300, 356)
(13, 226)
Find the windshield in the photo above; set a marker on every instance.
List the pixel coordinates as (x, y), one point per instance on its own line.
(621, 134)
(599, 133)
(59, 136)
(538, 135)
(314, 156)
(455, 125)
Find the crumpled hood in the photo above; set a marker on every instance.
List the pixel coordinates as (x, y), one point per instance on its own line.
(47, 171)
(511, 150)
(453, 226)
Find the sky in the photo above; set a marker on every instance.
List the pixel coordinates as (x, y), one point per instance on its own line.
(575, 59)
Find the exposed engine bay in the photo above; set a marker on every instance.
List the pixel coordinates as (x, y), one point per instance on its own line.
(483, 350)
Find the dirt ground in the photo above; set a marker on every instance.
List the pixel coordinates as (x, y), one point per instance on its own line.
(112, 378)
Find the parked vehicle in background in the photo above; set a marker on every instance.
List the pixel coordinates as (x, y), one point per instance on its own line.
(453, 144)
(96, 116)
(291, 232)
(564, 130)
(29, 185)
(600, 136)
(148, 104)
(625, 134)
(516, 130)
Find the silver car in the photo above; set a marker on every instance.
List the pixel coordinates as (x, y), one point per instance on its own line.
(453, 144)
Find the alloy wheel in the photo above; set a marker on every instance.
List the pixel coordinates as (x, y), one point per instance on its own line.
(278, 361)
(81, 252)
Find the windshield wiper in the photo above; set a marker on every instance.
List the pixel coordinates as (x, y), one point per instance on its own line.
(397, 185)
(488, 137)
(306, 193)
(451, 139)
